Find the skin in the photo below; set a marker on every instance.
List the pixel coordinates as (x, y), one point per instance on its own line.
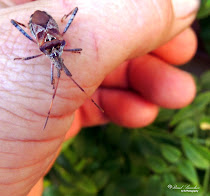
(130, 60)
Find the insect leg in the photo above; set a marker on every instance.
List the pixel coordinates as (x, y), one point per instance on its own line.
(29, 57)
(68, 73)
(17, 25)
(55, 90)
(52, 76)
(74, 50)
(72, 15)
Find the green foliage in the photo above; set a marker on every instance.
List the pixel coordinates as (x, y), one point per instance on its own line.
(205, 32)
(204, 9)
(204, 18)
(170, 153)
(194, 154)
(111, 160)
(187, 170)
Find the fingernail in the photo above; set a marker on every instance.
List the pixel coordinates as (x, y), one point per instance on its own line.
(184, 8)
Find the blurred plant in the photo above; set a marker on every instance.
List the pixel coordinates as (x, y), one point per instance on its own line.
(204, 9)
(204, 18)
(111, 160)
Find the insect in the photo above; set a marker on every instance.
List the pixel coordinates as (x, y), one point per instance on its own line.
(51, 43)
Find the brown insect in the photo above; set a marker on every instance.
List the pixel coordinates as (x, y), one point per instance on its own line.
(51, 43)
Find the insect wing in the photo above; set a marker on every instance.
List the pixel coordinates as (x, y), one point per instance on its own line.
(43, 27)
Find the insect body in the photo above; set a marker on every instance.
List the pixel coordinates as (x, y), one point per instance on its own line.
(51, 43)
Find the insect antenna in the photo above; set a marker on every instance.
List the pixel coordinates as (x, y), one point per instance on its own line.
(55, 90)
(53, 96)
(70, 75)
(87, 94)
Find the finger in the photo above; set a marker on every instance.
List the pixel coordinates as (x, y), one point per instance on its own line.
(171, 20)
(161, 84)
(118, 78)
(122, 107)
(182, 46)
(127, 108)
(75, 126)
(131, 111)
(88, 115)
(155, 80)
(10, 3)
(18, 2)
(37, 189)
(6, 4)
(21, 1)
(180, 49)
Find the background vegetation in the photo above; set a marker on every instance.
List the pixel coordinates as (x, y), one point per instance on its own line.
(153, 161)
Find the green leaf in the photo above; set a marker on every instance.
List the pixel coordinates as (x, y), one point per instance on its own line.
(204, 32)
(201, 101)
(66, 144)
(182, 114)
(86, 184)
(204, 9)
(158, 135)
(164, 115)
(154, 186)
(186, 127)
(146, 145)
(127, 185)
(66, 191)
(60, 174)
(51, 191)
(81, 164)
(157, 164)
(198, 105)
(170, 153)
(194, 155)
(47, 183)
(111, 190)
(203, 151)
(100, 178)
(64, 163)
(205, 80)
(169, 178)
(186, 169)
(207, 142)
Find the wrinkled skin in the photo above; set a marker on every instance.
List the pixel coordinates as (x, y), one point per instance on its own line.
(128, 49)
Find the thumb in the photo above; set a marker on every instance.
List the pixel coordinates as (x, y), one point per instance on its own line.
(108, 33)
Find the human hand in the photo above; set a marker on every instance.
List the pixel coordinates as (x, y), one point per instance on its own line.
(113, 36)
